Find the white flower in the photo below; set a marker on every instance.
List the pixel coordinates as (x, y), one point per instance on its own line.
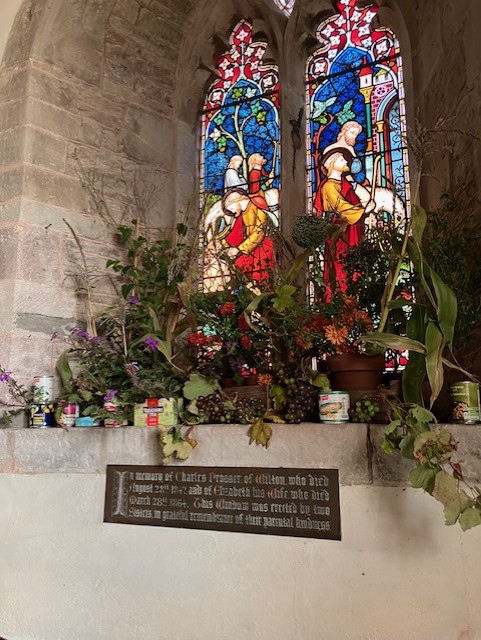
(243, 35)
(225, 64)
(364, 31)
(215, 135)
(327, 31)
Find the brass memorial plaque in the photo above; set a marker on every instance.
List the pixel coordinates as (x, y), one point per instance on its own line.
(286, 502)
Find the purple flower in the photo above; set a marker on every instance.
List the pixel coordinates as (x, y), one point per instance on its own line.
(231, 343)
(54, 335)
(79, 332)
(95, 339)
(111, 393)
(132, 300)
(5, 376)
(151, 343)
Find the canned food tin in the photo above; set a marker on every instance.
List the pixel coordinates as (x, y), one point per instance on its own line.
(465, 402)
(69, 412)
(42, 416)
(334, 406)
(43, 389)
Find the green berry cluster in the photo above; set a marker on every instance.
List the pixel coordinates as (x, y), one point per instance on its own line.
(366, 410)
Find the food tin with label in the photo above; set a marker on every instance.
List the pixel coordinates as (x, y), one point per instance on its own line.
(42, 416)
(69, 412)
(43, 389)
(334, 406)
(156, 412)
(465, 402)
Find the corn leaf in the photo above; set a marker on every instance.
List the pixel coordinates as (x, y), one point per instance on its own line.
(65, 372)
(434, 359)
(447, 307)
(415, 370)
(298, 265)
(417, 259)
(394, 341)
(418, 223)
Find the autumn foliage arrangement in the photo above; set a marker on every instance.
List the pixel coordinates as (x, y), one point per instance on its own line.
(335, 328)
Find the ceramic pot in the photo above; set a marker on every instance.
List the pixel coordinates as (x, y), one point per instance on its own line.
(356, 371)
(230, 382)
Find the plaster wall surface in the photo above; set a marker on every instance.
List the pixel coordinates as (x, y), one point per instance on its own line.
(398, 572)
(8, 11)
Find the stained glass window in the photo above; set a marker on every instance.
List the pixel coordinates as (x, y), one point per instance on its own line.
(285, 5)
(356, 129)
(240, 162)
(356, 135)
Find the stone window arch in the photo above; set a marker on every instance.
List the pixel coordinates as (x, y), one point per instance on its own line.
(293, 33)
(240, 162)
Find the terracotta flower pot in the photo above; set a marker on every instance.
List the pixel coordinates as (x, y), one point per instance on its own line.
(356, 371)
(227, 381)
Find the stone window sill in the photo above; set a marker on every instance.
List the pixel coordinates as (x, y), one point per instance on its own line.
(354, 449)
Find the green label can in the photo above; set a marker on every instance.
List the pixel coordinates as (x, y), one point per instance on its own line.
(43, 389)
(465, 402)
(334, 406)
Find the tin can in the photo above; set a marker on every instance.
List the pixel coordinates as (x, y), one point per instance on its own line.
(334, 406)
(465, 402)
(43, 389)
(69, 412)
(42, 416)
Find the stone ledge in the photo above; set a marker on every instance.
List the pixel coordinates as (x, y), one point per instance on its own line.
(394, 469)
(339, 446)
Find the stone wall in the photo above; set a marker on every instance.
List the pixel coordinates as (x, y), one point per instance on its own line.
(86, 87)
(397, 573)
(115, 86)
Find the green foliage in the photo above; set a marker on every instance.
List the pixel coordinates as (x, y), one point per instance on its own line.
(411, 433)
(430, 329)
(283, 298)
(20, 399)
(130, 351)
(451, 245)
(198, 385)
(260, 432)
(175, 446)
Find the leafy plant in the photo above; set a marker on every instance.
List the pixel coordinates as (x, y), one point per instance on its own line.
(451, 244)
(131, 352)
(20, 399)
(430, 329)
(225, 340)
(411, 433)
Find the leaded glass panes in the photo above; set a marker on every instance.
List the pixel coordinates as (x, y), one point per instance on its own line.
(240, 163)
(285, 5)
(356, 127)
(356, 135)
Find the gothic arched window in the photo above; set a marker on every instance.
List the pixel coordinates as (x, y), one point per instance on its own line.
(356, 136)
(240, 163)
(356, 115)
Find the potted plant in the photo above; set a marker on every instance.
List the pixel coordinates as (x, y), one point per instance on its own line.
(226, 344)
(129, 351)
